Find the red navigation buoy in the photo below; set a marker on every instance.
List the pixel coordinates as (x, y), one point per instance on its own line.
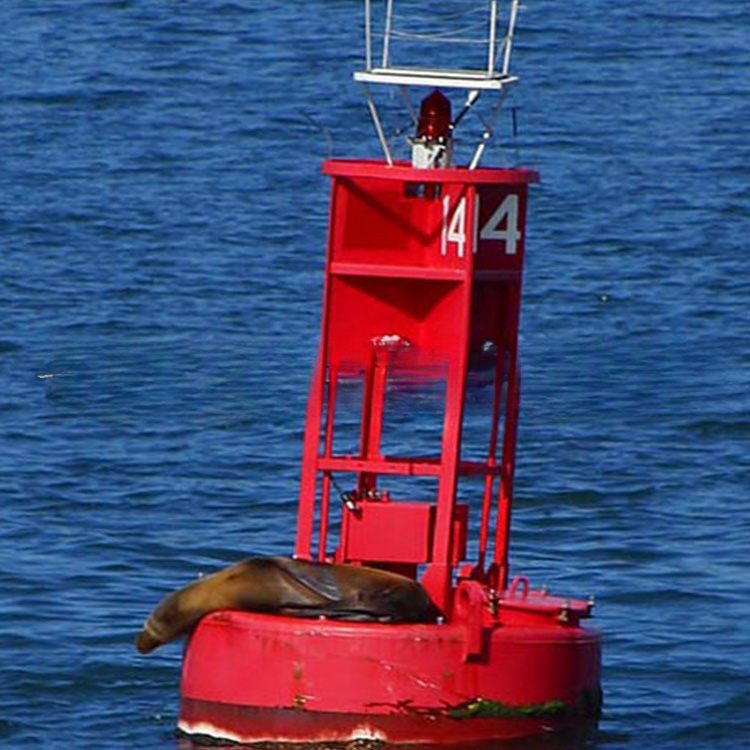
(422, 282)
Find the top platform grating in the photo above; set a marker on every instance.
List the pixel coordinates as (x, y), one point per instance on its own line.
(455, 78)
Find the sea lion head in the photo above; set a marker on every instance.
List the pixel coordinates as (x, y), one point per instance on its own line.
(168, 621)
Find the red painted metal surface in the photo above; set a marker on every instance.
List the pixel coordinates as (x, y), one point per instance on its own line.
(290, 726)
(340, 681)
(422, 284)
(418, 282)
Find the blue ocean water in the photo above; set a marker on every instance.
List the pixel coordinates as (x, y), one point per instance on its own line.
(163, 220)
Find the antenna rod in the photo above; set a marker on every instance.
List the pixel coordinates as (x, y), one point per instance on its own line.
(378, 126)
(368, 37)
(387, 34)
(493, 33)
(509, 38)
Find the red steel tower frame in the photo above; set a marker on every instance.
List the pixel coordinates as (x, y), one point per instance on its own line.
(423, 274)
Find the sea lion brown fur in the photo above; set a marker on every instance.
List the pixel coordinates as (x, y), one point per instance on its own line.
(291, 587)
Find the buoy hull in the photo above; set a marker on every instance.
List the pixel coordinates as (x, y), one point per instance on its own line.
(245, 725)
(253, 678)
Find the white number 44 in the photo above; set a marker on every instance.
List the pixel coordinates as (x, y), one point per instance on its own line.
(454, 225)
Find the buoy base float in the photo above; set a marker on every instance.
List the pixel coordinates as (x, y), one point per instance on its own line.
(439, 281)
(527, 669)
(422, 283)
(280, 727)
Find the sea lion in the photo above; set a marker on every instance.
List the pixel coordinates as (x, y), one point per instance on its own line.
(290, 587)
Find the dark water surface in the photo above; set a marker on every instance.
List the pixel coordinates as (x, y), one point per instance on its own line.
(163, 220)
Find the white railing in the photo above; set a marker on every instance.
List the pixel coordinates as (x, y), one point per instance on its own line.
(414, 31)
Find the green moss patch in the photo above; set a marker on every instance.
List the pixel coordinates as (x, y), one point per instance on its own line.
(588, 705)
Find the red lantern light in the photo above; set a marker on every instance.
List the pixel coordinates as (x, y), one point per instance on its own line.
(434, 116)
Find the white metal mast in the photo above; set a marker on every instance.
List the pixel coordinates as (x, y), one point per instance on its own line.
(488, 79)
